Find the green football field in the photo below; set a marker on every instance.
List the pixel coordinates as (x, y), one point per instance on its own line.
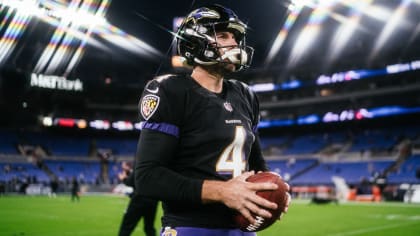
(101, 215)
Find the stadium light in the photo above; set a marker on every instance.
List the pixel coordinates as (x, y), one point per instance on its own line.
(378, 12)
(282, 35)
(47, 121)
(390, 27)
(346, 30)
(310, 31)
(76, 22)
(15, 27)
(71, 17)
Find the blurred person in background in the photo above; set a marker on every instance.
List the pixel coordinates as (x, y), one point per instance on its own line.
(2, 188)
(137, 208)
(75, 189)
(54, 187)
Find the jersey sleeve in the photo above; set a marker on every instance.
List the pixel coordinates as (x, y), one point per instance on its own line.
(159, 107)
(252, 101)
(154, 177)
(255, 104)
(256, 159)
(161, 112)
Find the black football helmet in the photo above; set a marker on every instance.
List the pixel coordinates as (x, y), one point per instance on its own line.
(197, 43)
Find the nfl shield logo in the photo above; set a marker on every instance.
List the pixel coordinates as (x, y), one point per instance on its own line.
(228, 107)
(169, 232)
(149, 105)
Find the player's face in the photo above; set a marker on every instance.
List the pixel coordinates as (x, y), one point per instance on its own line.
(226, 38)
(226, 41)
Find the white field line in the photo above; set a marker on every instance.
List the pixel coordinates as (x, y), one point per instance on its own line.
(372, 229)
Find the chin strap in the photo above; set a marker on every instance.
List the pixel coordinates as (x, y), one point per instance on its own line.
(236, 56)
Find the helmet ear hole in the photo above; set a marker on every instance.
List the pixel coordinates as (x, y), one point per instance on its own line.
(190, 49)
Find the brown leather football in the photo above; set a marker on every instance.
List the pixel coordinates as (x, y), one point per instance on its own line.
(280, 196)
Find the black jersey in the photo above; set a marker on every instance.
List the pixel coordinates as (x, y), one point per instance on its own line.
(215, 135)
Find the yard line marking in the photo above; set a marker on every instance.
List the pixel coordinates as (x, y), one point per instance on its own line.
(371, 229)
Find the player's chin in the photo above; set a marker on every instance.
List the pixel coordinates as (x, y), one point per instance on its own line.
(229, 68)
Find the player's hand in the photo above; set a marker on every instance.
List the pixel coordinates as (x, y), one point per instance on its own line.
(122, 175)
(289, 197)
(241, 195)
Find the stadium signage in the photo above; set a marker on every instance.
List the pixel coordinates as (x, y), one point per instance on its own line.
(55, 82)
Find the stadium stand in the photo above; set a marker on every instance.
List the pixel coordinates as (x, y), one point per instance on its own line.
(85, 172)
(406, 172)
(8, 142)
(353, 173)
(59, 145)
(307, 161)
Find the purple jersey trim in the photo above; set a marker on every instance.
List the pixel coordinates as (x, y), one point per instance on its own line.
(161, 127)
(195, 231)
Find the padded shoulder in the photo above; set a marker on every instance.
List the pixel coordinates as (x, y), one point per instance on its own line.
(170, 84)
(243, 88)
(163, 99)
(251, 99)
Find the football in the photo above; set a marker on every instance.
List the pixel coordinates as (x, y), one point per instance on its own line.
(280, 196)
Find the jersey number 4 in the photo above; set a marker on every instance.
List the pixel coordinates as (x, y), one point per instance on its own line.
(232, 159)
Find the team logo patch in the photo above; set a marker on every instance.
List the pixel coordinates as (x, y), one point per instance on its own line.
(149, 105)
(228, 106)
(169, 232)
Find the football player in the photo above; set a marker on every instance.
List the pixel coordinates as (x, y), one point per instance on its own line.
(199, 141)
(138, 207)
